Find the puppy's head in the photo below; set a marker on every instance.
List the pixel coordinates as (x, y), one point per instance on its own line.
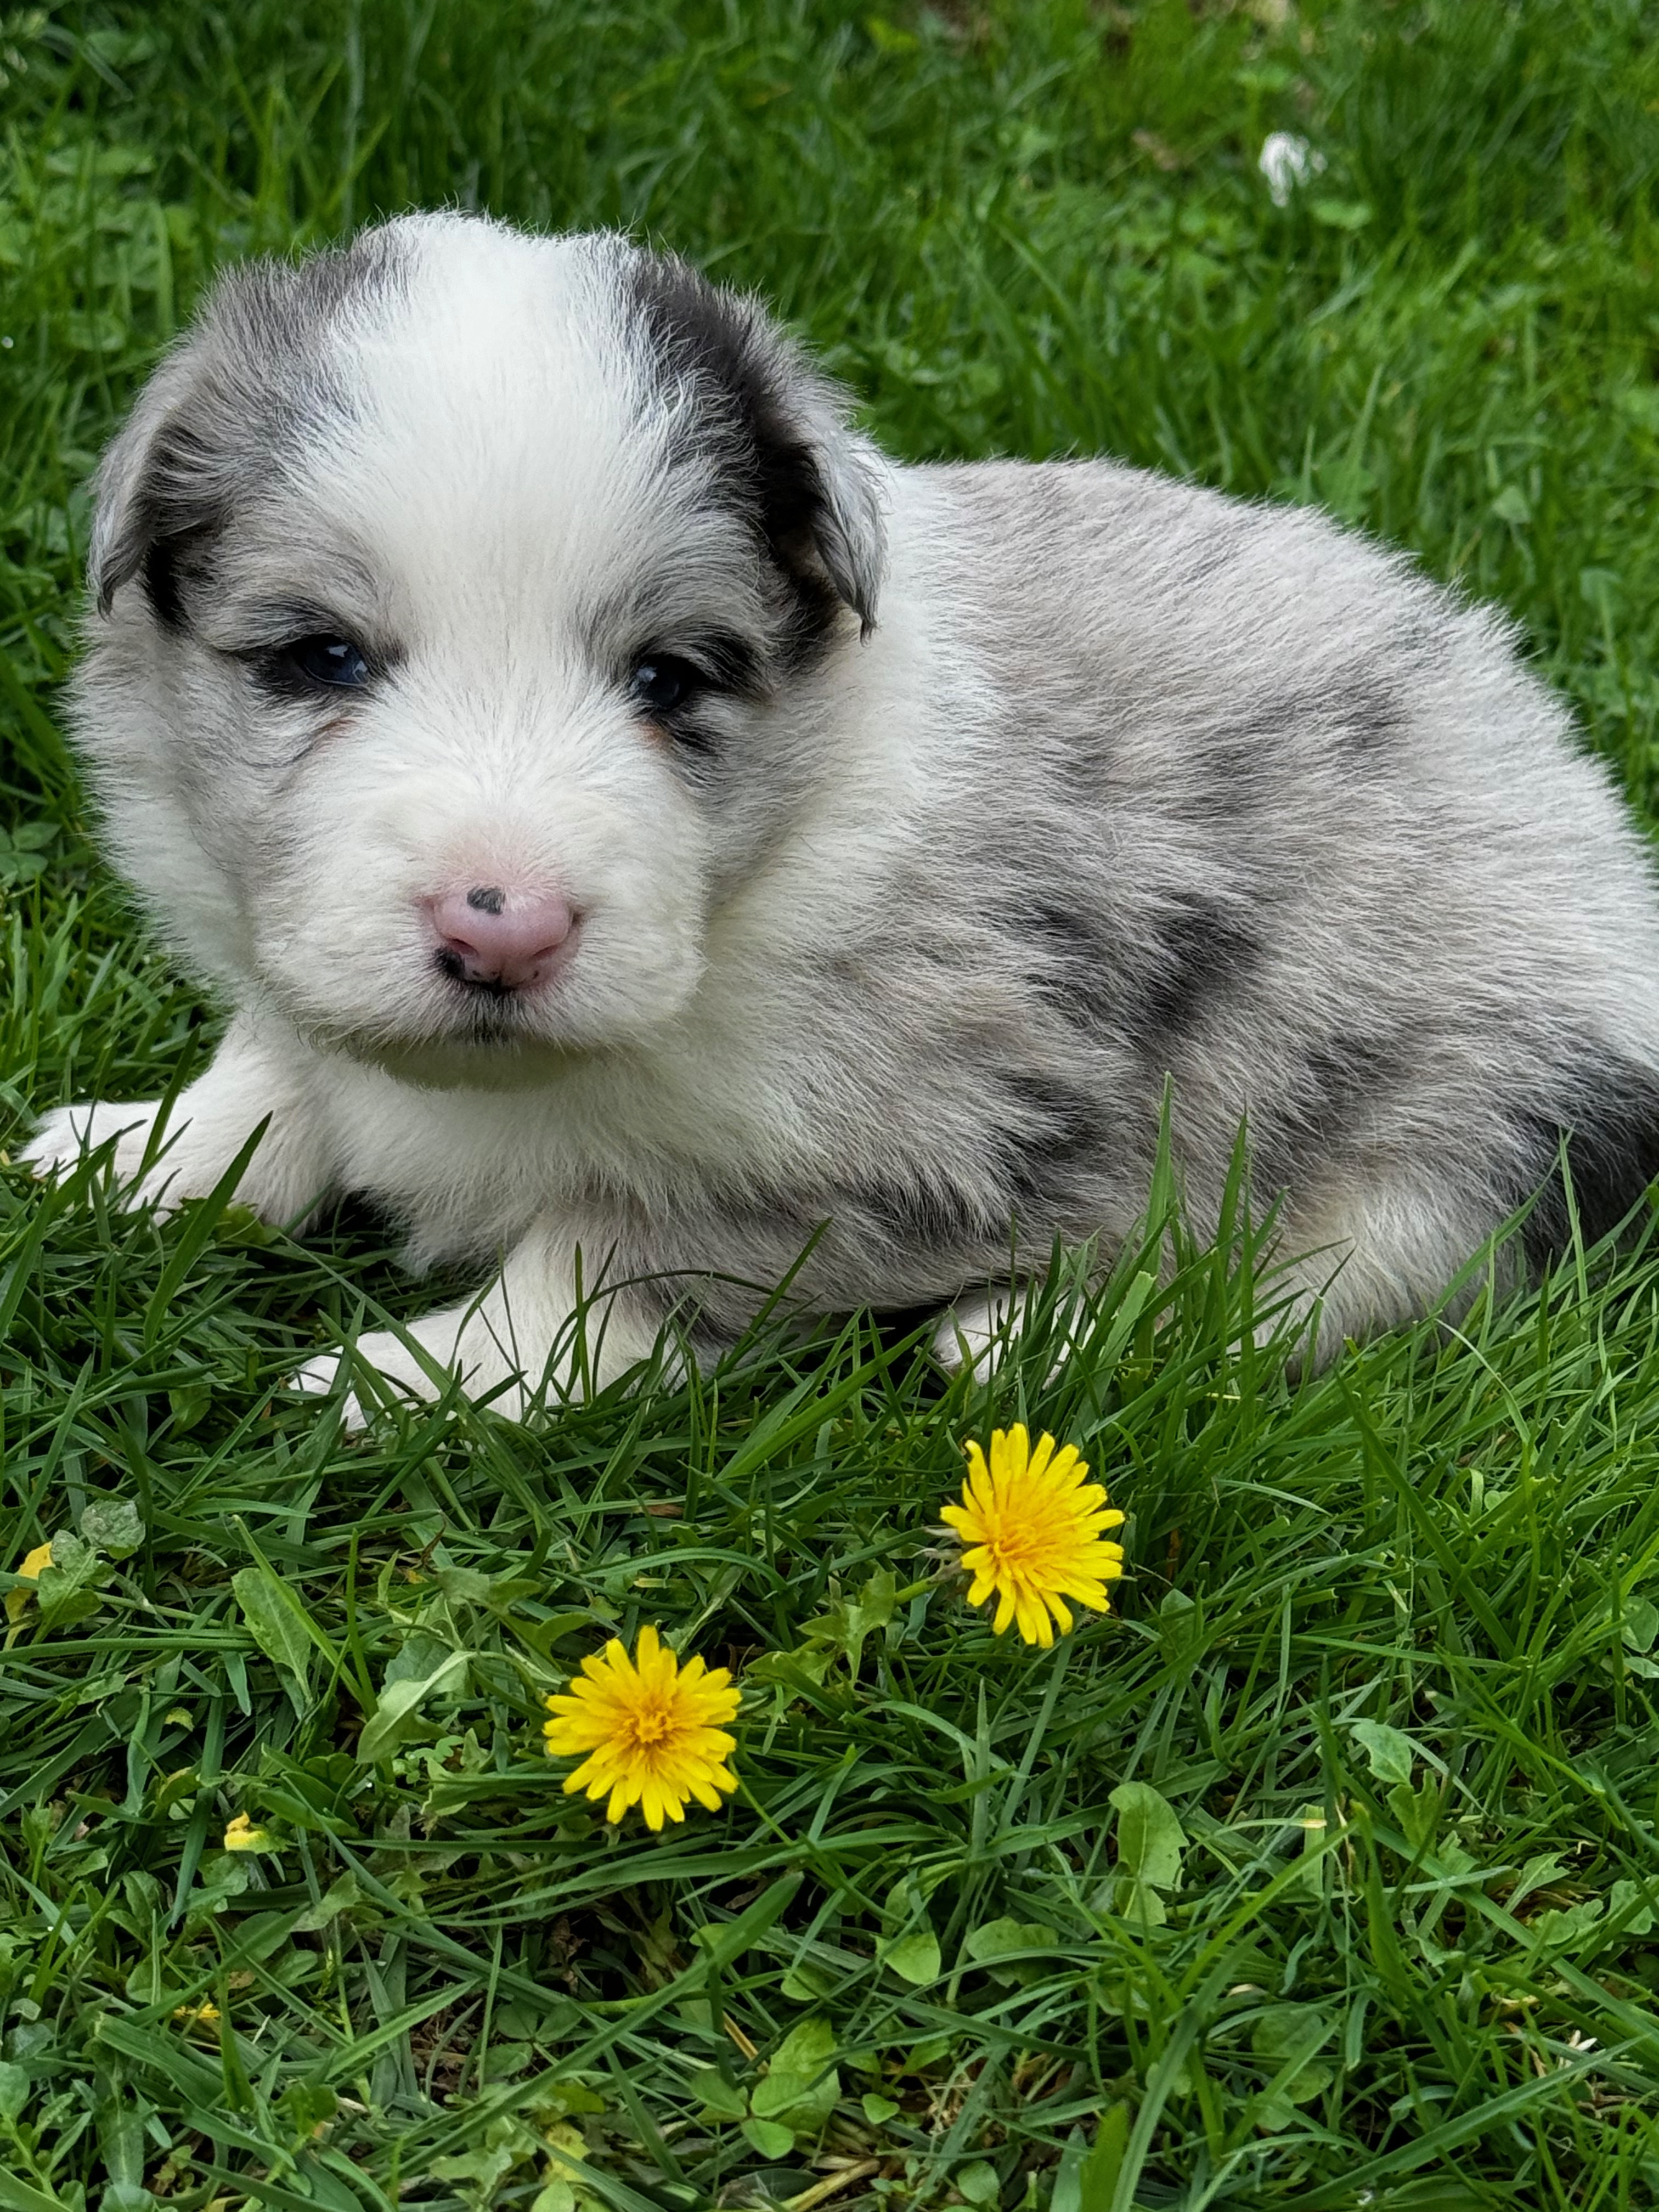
(450, 596)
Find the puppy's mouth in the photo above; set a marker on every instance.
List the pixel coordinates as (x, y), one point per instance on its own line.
(482, 1017)
(489, 1029)
(452, 1031)
(464, 1067)
(491, 1051)
(486, 1011)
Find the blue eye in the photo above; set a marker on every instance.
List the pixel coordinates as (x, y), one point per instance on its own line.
(335, 661)
(665, 682)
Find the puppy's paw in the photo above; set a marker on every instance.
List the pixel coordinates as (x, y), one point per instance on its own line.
(207, 1126)
(67, 1133)
(526, 1334)
(459, 1345)
(974, 1335)
(979, 1333)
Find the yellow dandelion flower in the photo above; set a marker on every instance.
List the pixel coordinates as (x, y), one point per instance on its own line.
(650, 1727)
(242, 1836)
(29, 1573)
(204, 2015)
(1033, 1530)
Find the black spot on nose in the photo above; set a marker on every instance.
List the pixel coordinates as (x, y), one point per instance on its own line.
(486, 898)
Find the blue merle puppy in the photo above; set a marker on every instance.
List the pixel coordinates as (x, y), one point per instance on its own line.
(637, 831)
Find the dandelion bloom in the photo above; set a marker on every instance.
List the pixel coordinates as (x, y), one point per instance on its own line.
(29, 1573)
(242, 1836)
(1033, 1530)
(652, 1730)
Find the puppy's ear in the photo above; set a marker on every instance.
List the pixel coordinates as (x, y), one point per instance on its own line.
(746, 395)
(220, 416)
(159, 491)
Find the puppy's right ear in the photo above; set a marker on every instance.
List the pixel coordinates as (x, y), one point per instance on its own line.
(159, 492)
(216, 418)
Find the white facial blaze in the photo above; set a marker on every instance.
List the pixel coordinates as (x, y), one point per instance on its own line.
(494, 493)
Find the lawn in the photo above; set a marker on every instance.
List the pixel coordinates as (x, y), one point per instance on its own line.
(1322, 1872)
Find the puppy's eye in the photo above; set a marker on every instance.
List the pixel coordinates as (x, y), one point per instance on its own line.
(335, 661)
(665, 682)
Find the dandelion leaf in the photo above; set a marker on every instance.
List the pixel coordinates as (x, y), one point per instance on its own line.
(114, 1525)
(1286, 2039)
(1150, 1840)
(850, 1622)
(399, 1706)
(1417, 1812)
(1139, 1904)
(16, 2086)
(272, 1617)
(769, 2137)
(720, 2099)
(67, 1589)
(915, 1959)
(1389, 1752)
(1626, 1898)
(801, 2087)
(997, 1940)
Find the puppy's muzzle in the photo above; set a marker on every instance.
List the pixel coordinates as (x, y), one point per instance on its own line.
(500, 940)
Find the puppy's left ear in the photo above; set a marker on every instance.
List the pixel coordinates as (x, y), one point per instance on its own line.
(745, 394)
(837, 484)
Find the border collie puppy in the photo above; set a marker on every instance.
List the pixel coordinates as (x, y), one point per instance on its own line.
(639, 833)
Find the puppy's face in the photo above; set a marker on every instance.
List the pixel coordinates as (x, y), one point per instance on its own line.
(452, 590)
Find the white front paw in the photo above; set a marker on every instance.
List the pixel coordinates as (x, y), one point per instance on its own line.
(457, 1349)
(973, 1334)
(67, 1133)
(525, 1335)
(979, 1333)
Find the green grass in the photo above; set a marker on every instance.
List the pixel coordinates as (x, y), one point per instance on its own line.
(1386, 1929)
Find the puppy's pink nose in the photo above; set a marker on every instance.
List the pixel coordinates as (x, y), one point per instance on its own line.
(506, 940)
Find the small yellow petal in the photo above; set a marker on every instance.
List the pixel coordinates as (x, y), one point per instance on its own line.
(1035, 1625)
(17, 1600)
(242, 1836)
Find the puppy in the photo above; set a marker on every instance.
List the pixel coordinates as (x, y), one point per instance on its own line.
(641, 836)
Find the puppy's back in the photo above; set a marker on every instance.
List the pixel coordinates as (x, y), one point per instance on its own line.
(1304, 829)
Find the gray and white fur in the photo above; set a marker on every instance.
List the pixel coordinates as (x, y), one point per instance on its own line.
(867, 842)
